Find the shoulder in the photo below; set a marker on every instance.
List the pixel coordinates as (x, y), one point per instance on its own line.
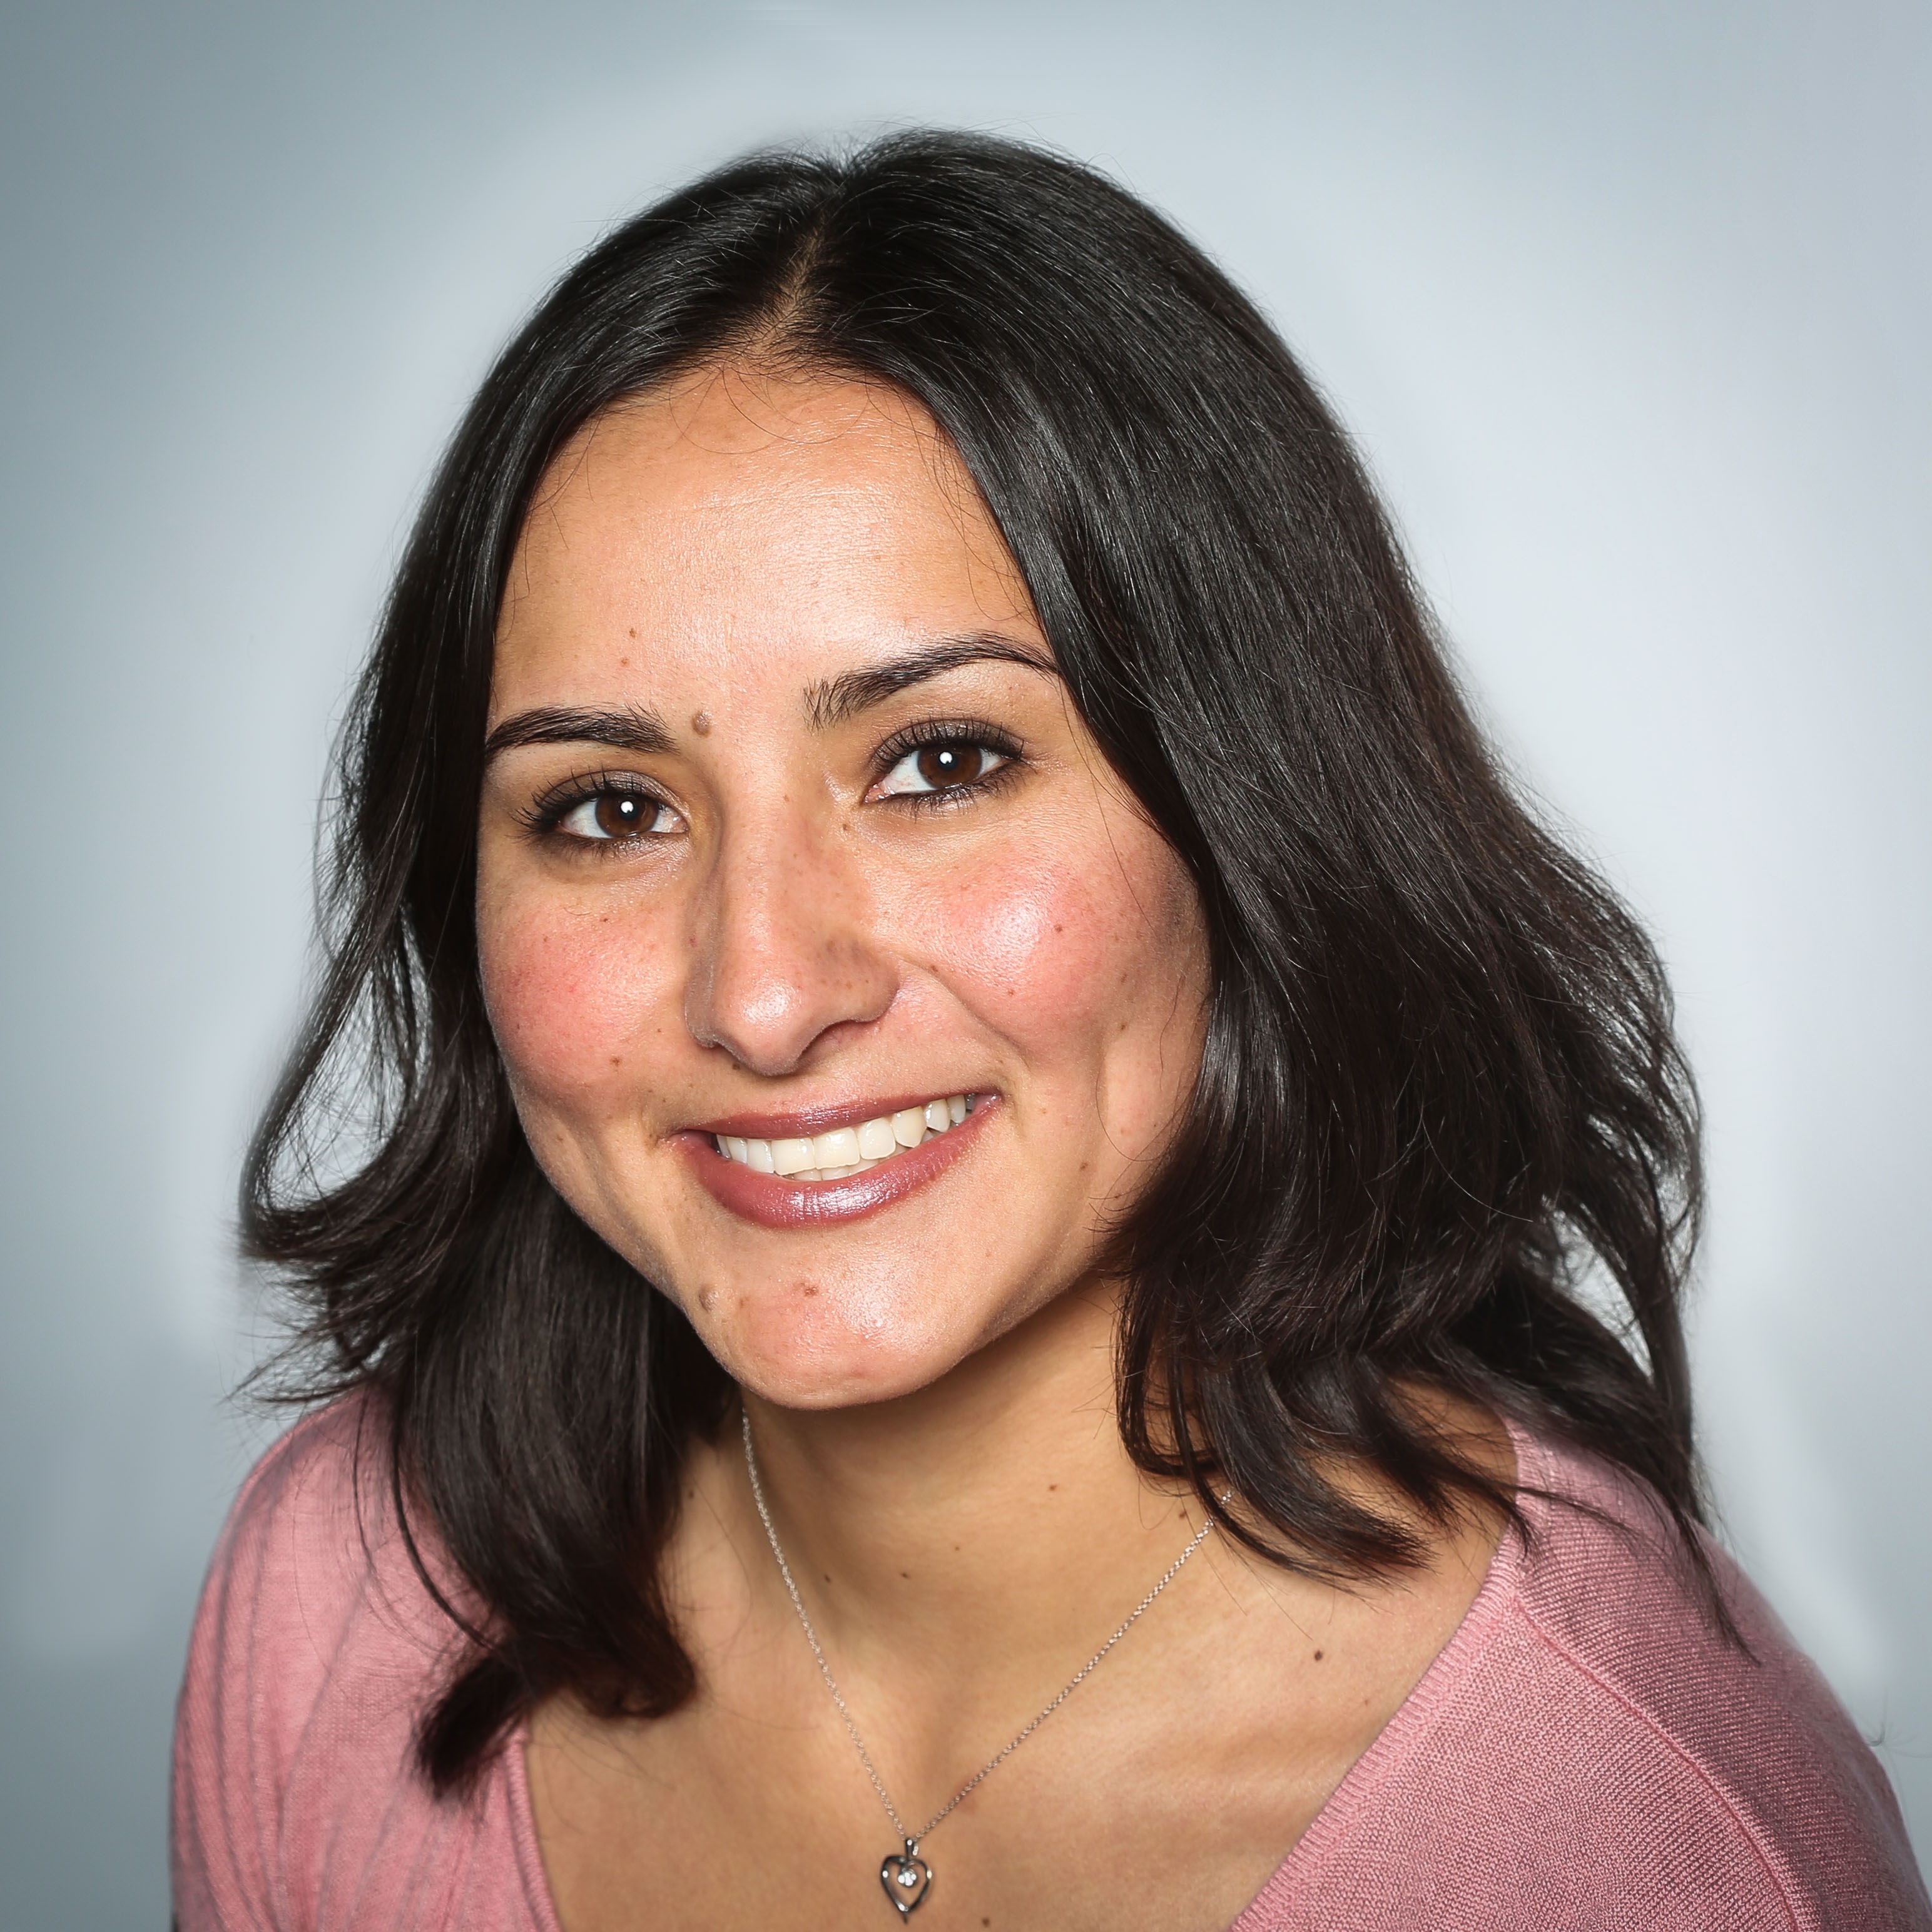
(1753, 1723)
(1733, 1763)
(312, 1492)
(296, 1800)
(313, 1553)
(1590, 1750)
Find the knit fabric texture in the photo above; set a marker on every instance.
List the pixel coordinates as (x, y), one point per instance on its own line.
(1587, 1752)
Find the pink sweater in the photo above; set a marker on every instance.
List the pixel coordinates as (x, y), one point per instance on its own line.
(1585, 1753)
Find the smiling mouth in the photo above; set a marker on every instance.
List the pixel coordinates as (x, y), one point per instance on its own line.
(846, 1151)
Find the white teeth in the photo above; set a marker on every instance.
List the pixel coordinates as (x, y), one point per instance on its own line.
(848, 1150)
(789, 1156)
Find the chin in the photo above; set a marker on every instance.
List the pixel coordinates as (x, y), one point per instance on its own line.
(803, 1345)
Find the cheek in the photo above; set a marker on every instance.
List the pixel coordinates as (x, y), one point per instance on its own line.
(571, 996)
(1074, 951)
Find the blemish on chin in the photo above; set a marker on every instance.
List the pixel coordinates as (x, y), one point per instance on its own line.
(707, 1299)
(700, 723)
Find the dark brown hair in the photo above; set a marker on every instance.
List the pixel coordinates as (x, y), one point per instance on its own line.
(1439, 1081)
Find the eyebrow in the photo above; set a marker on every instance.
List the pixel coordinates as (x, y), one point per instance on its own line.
(638, 729)
(634, 728)
(840, 699)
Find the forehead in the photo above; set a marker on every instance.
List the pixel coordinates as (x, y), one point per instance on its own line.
(752, 522)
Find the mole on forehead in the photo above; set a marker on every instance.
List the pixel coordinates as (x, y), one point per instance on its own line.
(700, 723)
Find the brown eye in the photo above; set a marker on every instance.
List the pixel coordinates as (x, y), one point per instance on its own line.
(943, 765)
(622, 814)
(947, 764)
(608, 815)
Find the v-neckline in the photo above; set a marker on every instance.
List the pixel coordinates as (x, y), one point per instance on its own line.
(1381, 1759)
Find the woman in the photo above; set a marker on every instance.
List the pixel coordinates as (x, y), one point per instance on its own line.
(977, 1121)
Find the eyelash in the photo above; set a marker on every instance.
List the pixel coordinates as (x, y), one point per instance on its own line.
(545, 815)
(930, 731)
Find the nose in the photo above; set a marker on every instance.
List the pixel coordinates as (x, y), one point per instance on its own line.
(782, 950)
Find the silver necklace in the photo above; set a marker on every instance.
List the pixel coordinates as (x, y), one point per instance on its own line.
(906, 1877)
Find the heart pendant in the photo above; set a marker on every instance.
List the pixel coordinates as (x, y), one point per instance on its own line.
(907, 1878)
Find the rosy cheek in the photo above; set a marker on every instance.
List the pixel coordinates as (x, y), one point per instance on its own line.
(570, 996)
(1040, 946)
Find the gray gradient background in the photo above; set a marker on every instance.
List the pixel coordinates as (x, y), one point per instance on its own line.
(1629, 304)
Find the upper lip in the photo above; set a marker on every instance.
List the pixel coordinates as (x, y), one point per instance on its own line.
(805, 1122)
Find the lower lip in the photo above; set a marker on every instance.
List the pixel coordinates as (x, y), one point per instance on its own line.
(774, 1202)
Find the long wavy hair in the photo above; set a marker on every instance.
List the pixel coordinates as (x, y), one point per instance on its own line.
(1439, 1086)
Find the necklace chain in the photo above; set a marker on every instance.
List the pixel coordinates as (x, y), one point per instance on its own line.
(993, 1763)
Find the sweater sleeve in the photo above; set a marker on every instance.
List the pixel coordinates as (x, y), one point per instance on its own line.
(298, 1806)
(280, 1591)
(1591, 1752)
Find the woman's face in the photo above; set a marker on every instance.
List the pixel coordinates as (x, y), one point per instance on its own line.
(792, 844)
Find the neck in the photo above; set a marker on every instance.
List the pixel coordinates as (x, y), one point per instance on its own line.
(987, 1530)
